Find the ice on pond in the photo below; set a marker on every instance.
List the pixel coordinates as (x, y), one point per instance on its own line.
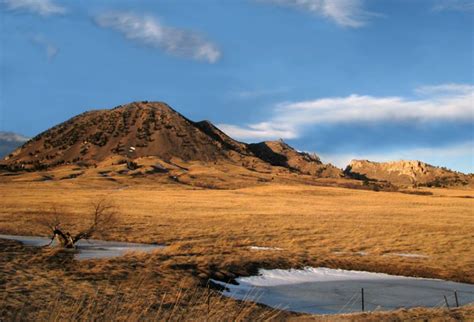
(332, 291)
(91, 248)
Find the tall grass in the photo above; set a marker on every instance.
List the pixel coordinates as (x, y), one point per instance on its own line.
(199, 304)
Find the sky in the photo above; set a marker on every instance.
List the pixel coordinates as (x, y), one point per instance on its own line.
(347, 79)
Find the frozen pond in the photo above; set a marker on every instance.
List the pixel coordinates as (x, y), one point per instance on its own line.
(91, 248)
(332, 291)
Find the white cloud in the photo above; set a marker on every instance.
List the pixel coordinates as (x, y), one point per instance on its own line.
(347, 13)
(454, 5)
(260, 131)
(290, 119)
(151, 32)
(440, 156)
(40, 7)
(50, 49)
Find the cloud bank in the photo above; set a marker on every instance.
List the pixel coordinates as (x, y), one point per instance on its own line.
(149, 31)
(441, 103)
(346, 13)
(40, 7)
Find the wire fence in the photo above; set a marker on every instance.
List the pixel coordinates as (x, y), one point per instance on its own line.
(368, 299)
(361, 300)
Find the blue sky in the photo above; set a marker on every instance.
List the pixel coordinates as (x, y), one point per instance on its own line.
(375, 79)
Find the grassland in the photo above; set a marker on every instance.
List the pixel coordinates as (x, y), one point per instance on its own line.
(209, 234)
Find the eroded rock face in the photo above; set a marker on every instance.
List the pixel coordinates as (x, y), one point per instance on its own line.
(407, 173)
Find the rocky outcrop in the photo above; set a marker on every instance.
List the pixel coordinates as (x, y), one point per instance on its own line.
(407, 173)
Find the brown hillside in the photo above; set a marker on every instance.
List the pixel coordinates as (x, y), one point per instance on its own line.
(224, 140)
(153, 129)
(408, 173)
(133, 130)
(279, 153)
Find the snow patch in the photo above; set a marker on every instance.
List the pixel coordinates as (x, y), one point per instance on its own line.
(361, 253)
(309, 274)
(407, 255)
(264, 248)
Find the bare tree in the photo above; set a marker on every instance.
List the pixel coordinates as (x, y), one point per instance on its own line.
(103, 215)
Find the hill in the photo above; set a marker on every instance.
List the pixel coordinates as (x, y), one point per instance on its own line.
(278, 153)
(408, 173)
(144, 130)
(133, 130)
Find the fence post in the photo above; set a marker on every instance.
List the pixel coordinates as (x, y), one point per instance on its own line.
(363, 304)
(456, 297)
(208, 302)
(446, 300)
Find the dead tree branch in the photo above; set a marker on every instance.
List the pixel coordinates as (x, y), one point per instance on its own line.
(103, 217)
(103, 214)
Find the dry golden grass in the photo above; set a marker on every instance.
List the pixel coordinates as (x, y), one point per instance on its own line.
(209, 233)
(48, 285)
(417, 314)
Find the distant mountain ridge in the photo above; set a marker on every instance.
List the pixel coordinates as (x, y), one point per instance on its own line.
(9, 141)
(141, 130)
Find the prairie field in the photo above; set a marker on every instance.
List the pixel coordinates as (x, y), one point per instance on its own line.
(213, 234)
